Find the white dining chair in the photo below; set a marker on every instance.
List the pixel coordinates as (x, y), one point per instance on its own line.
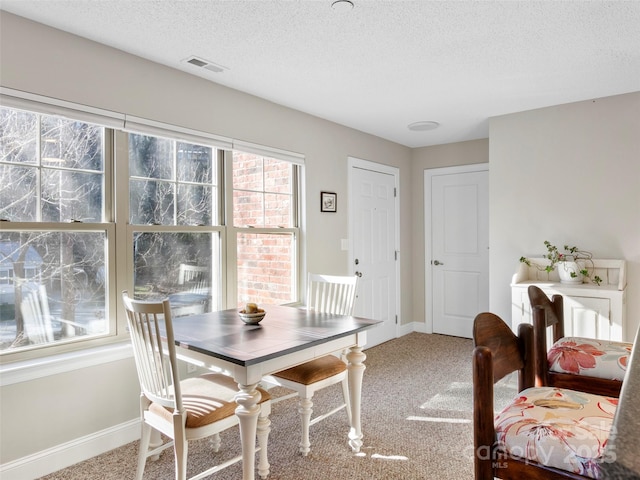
(194, 291)
(194, 277)
(38, 321)
(326, 294)
(183, 410)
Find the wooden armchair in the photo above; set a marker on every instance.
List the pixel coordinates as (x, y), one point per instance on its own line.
(544, 433)
(584, 364)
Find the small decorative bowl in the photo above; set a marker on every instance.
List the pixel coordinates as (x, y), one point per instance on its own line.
(251, 318)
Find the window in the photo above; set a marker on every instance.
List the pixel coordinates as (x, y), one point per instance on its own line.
(265, 221)
(53, 242)
(173, 214)
(174, 185)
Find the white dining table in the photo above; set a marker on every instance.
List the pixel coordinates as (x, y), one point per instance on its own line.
(286, 337)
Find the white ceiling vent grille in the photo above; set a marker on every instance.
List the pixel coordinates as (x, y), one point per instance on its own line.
(206, 64)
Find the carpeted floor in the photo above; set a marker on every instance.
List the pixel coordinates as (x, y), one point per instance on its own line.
(416, 420)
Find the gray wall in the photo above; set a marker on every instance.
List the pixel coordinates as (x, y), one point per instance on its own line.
(569, 174)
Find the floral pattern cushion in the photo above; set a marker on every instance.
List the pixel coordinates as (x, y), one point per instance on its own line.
(587, 356)
(556, 427)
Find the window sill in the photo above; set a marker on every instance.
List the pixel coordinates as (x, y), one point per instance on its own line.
(28, 370)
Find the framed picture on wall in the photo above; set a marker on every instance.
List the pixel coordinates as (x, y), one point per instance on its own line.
(328, 202)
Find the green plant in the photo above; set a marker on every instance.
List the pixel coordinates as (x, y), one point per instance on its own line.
(570, 254)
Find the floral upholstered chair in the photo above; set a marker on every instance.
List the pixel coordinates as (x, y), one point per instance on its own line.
(545, 432)
(585, 364)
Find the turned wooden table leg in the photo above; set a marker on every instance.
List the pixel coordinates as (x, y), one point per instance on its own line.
(247, 411)
(355, 368)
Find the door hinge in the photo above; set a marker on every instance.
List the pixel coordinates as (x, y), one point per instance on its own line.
(395, 255)
(396, 319)
(395, 192)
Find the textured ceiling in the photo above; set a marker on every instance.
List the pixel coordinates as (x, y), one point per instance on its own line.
(383, 64)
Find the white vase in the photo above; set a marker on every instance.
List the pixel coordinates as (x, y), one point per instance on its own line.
(565, 270)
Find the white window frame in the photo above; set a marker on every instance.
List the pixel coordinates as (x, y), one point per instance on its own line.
(119, 232)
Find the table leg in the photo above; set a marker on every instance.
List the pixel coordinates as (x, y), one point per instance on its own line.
(247, 411)
(355, 368)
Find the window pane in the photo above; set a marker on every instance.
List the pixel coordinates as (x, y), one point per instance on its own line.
(18, 136)
(70, 195)
(53, 287)
(184, 267)
(194, 205)
(277, 176)
(247, 172)
(265, 268)
(277, 211)
(248, 209)
(150, 157)
(70, 144)
(262, 191)
(151, 202)
(195, 163)
(18, 200)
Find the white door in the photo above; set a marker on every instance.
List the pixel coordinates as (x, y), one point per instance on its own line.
(457, 253)
(373, 229)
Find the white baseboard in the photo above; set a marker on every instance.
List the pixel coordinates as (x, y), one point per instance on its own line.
(70, 453)
(412, 327)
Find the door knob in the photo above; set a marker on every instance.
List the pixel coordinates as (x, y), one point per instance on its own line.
(359, 274)
(436, 262)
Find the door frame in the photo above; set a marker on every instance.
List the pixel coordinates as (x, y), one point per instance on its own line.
(428, 253)
(353, 162)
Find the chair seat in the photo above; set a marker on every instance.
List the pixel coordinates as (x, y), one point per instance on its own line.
(559, 428)
(313, 371)
(588, 356)
(206, 399)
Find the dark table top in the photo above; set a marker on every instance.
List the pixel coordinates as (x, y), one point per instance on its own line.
(283, 330)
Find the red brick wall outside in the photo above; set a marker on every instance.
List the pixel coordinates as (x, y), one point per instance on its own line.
(262, 197)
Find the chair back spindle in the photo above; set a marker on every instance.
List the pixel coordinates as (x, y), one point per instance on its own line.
(331, 293)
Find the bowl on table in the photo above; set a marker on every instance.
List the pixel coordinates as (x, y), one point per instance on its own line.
(252, 318)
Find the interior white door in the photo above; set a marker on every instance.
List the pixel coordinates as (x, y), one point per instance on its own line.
(373, 230)
(459, 261)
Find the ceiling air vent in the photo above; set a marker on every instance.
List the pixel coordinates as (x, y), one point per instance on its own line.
(207, 65)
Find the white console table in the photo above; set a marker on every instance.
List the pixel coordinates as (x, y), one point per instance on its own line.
(590, 310)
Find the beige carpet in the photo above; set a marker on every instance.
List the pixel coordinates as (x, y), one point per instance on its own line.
(416, 422)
